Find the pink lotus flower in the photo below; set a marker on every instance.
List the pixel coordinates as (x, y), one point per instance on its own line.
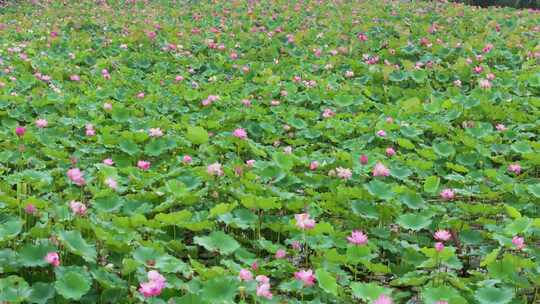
(447, 194)
(478, 69)
(487, 48)
(296, 245)
(53, 259)
(155, 132)
(344, 173)
(501, 127)
(30, 209)
(519, 242)
(187, 159)
(383, 299)
(107, 106)
(306, 276)
(442, 235)
(381, 133)
(250, 162)
(108, 162)
(441, 302)
(380, 170)
(484, 84)
(327, 113)
(255, 265)
(389, 119)
(363, 159)
(178, 78)
(75, 78)
(77, 208)
(111, 182)
(313, 165)
(262, 279)
(245, 275)
(490, 76)
(240, 133)
(76, 176)
(41, 123)
(156, 282)
(349, 74)
(457, 83)
(140, 95)
(304, 222)
(90, 131)
(20, 131)
(215, 169)
(514, 168)
(280, 254)
(357, 238)
(390, 152)
(143, 165)
(263, 290)
(362, 37)
(439, 246)
(246, 102)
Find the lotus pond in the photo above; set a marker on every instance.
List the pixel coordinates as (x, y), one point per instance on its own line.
(269, 152)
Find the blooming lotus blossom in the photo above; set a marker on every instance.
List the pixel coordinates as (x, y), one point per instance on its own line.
(306, 276)
(263, 290)
(442, 235)
(349, 74)
(143, 165)
(245, 275)
(155, 132)
(41, 123)
(484, 84)
(383, 299)
(363, 159)
(108, 162)
(77, 208)
(112, 183)
(187, 159)
(255, 266)
(457, 83)
(53, 258)
(327, 113)
(357, 237)
(304, 221)
(250, 162)
(215, 169)
(76, 176)
(381, 133)
(439, 246)
(313, 165)
(262, 279)
(390, 151)
(447, 194)
(209, 100)
(280, 254)
(296, 245)
(344, 173)
(240, 133)
(490, 76)
(519, 242)
(246, 102)
(478, 69)
(501, 127)
(156, 282)
(20, 131)
(75, 78)
(30, 209)
(514, 168)
(380, 170)
(90, 131)
(178, 78)
(107, 106)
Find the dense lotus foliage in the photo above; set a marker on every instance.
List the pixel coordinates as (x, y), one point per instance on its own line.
(269, 152)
